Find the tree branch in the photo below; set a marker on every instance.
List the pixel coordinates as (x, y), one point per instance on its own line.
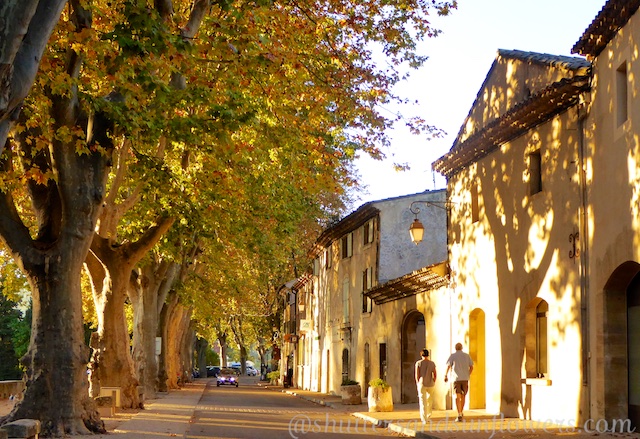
(136, 250)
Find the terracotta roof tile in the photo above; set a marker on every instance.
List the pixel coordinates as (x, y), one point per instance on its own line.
(613, 16)
(535, 110)
(568, 62)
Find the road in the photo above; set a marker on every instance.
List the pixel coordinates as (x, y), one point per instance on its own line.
(254, 412)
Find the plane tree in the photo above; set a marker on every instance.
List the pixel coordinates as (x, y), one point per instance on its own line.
(290, 85)
(27, 25)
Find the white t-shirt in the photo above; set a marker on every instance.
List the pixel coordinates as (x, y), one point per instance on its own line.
(460, 363)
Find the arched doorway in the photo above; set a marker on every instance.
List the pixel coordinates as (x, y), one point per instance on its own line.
(622, 354)
(477, 392)
(633, 348)
(414, 336)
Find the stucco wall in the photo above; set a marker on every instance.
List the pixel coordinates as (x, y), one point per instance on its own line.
(390, 255)
(613, 171)
(398, 255)
(519, 250)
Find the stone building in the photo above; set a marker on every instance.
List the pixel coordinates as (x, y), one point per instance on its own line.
(350, 336)
(538, 272)
(545, 229)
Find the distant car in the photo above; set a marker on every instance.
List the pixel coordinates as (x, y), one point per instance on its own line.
(227, 376)
(213, 371)
(251, 371)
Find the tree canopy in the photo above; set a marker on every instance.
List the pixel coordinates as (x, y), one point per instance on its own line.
(235, 122)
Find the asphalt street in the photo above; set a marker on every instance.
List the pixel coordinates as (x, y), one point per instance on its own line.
(252, 412)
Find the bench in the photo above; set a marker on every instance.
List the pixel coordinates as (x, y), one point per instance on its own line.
(22, 429)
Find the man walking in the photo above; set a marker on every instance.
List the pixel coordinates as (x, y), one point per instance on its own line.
(425, 381)
(461, 364)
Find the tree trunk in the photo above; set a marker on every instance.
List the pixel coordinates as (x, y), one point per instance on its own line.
(151, 286)
(113, 358)
(144, 297)
(56, 362)
(110, 267)
(202, 345)
(163, 331)
(175, 334)
(186, 350)
(222, 339)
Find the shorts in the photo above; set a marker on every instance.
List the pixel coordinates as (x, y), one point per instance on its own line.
(461, 387)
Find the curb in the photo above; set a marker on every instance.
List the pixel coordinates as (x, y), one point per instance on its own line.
(378, 423)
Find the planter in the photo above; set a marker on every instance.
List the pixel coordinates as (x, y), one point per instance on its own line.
(351, 394)
(380, 399)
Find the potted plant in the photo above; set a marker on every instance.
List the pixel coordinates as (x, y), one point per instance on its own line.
(273, 377)
(379, 397)
(351, 392)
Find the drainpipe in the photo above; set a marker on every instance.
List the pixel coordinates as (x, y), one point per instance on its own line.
(583, 110)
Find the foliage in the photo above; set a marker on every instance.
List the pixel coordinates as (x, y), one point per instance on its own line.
(212, 357)
(273, 376)
(21, 333)
(348, 382)
(380, 383)
(243, 127)
(10, 318)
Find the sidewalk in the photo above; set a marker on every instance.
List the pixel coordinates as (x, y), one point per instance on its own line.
(169, 415)
(405, 420)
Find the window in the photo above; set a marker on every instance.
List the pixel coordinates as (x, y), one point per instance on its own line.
(347, 245)
(535, 172)
(367, 232)
(621, 94)
(475, 205)
(367, 283)
(345, 302)
(541, 338)
(345, 365)
(328, 256)
(382, 363)
(536, 338)
(367, 365)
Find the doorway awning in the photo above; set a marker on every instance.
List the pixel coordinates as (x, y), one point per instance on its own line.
(420, 281)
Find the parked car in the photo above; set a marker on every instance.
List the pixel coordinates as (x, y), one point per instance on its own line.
(213, 371)
(251, 371)
(227, 376)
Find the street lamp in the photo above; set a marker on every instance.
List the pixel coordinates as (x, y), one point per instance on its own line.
(416, 229)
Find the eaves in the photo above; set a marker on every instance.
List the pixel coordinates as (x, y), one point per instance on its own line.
(344, 226)
(528, 114)
(611, 18)
(420, 281)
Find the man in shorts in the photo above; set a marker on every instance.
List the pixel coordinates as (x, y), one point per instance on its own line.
(461, 365)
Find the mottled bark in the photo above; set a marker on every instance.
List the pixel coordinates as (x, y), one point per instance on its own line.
(52, 262)
(238, 335)
(150, 286)
(25, 28)
(175, 336)
(112, 360)
(163, 333)
(201, 347)
(222, 339)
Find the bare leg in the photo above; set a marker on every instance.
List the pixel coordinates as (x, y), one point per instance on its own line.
(459, 403)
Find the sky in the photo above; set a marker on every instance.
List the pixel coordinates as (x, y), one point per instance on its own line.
(448, 83)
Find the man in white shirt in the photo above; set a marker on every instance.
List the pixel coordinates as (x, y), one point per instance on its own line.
(461, 364)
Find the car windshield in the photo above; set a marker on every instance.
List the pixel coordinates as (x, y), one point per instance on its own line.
(227, 371)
